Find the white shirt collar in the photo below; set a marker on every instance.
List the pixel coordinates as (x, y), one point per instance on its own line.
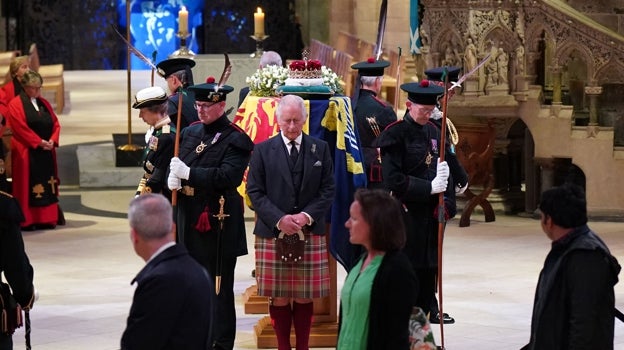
(297, 140)
(160, 250)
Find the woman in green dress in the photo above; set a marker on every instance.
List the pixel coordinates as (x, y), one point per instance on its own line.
(378, 295)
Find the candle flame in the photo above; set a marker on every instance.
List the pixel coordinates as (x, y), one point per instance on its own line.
(259, 10)
(183, 8)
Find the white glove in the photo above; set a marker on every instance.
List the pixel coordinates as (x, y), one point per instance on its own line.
(439, 183)
(173, 182)
(443, 169)
(461, 190)
(180, 169)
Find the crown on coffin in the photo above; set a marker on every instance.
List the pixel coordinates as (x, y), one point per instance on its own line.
(305, 68)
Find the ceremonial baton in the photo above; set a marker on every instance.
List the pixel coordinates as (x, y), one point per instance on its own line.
(221, 217)
(441, 210)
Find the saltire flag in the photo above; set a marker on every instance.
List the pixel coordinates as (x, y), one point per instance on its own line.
(415, 42)
(348, 176)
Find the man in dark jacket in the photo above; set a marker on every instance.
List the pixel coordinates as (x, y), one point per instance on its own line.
(14, 262)
(372, 116)
(574, 303)
(172, 304)
(213, 158)
(177, 72)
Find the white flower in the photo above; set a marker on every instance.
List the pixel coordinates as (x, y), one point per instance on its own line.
(265, 80)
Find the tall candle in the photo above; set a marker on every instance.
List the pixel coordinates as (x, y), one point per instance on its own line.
(183, 20)
(259, 23)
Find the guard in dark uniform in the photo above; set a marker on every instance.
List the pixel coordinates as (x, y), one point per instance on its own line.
(14, 263)
(177, 72)
(372, 116)
(409, 156)
(459, 175)
(152, 103)
(214, 155)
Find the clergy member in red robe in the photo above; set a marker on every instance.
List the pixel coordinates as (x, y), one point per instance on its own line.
(36, 132)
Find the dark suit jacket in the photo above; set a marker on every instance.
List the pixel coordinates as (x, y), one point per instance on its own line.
(172, 305)
(270, 187)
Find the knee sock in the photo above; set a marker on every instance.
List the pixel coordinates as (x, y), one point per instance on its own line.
(302, 318)
(281, 319)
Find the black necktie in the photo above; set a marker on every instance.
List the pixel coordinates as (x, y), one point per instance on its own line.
(293, 152)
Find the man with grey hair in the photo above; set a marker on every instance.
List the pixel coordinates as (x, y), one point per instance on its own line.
(291, 186)
(172, 304)
(268, 58)
(372, 115)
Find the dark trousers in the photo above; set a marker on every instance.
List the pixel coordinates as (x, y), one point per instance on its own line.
(224, 322)
(426, 291)
(6, 342)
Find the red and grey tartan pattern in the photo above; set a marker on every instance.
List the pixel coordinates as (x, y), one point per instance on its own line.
(305, 279)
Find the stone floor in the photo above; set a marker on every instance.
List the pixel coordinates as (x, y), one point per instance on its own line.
(83, 270)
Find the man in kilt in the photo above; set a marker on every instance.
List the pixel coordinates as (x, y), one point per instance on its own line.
(291, 186)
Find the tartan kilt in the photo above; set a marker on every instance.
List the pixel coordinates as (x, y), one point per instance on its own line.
(306, 279)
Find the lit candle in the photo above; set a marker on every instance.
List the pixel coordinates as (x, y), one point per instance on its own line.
(183, 20)
(259, 23)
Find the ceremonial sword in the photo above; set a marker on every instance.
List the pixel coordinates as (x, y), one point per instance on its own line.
(221, 217)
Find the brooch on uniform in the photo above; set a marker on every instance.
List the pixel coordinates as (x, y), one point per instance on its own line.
(199, 149)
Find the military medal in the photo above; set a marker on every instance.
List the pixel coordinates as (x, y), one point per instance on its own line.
(199, 149)
(215, 139)
(428, 158)
(153, 143)
(434, 146)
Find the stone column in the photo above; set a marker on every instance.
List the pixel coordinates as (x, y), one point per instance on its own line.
(556, 74)
(593, 92)
(547, 173)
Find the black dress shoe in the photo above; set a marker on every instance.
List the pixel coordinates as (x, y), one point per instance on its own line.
(436, 319)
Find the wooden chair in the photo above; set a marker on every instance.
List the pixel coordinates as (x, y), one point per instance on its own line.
(475, 152)
(365, 50)
(321, 51)
(52, 75)
(348, 43)
(389, 83)
(341, 65)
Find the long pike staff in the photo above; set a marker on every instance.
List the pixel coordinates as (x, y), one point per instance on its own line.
(176, 152)
(441, 210)
(398, 83)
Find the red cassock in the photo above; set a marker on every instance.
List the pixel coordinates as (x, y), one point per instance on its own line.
(38, 198)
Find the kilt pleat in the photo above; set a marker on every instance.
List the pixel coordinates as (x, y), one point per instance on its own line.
(305, 279)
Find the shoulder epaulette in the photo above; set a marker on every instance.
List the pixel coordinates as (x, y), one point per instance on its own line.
(394, 123)
(237, 128)
(380, 101)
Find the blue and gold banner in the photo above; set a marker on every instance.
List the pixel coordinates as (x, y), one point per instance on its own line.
(415, 42)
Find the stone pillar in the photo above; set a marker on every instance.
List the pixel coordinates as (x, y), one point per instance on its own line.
(530, 174)
(547, 173)
(556, 74)
(593, 92)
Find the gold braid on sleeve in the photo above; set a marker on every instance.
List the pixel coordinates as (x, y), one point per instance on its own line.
(452, 132)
